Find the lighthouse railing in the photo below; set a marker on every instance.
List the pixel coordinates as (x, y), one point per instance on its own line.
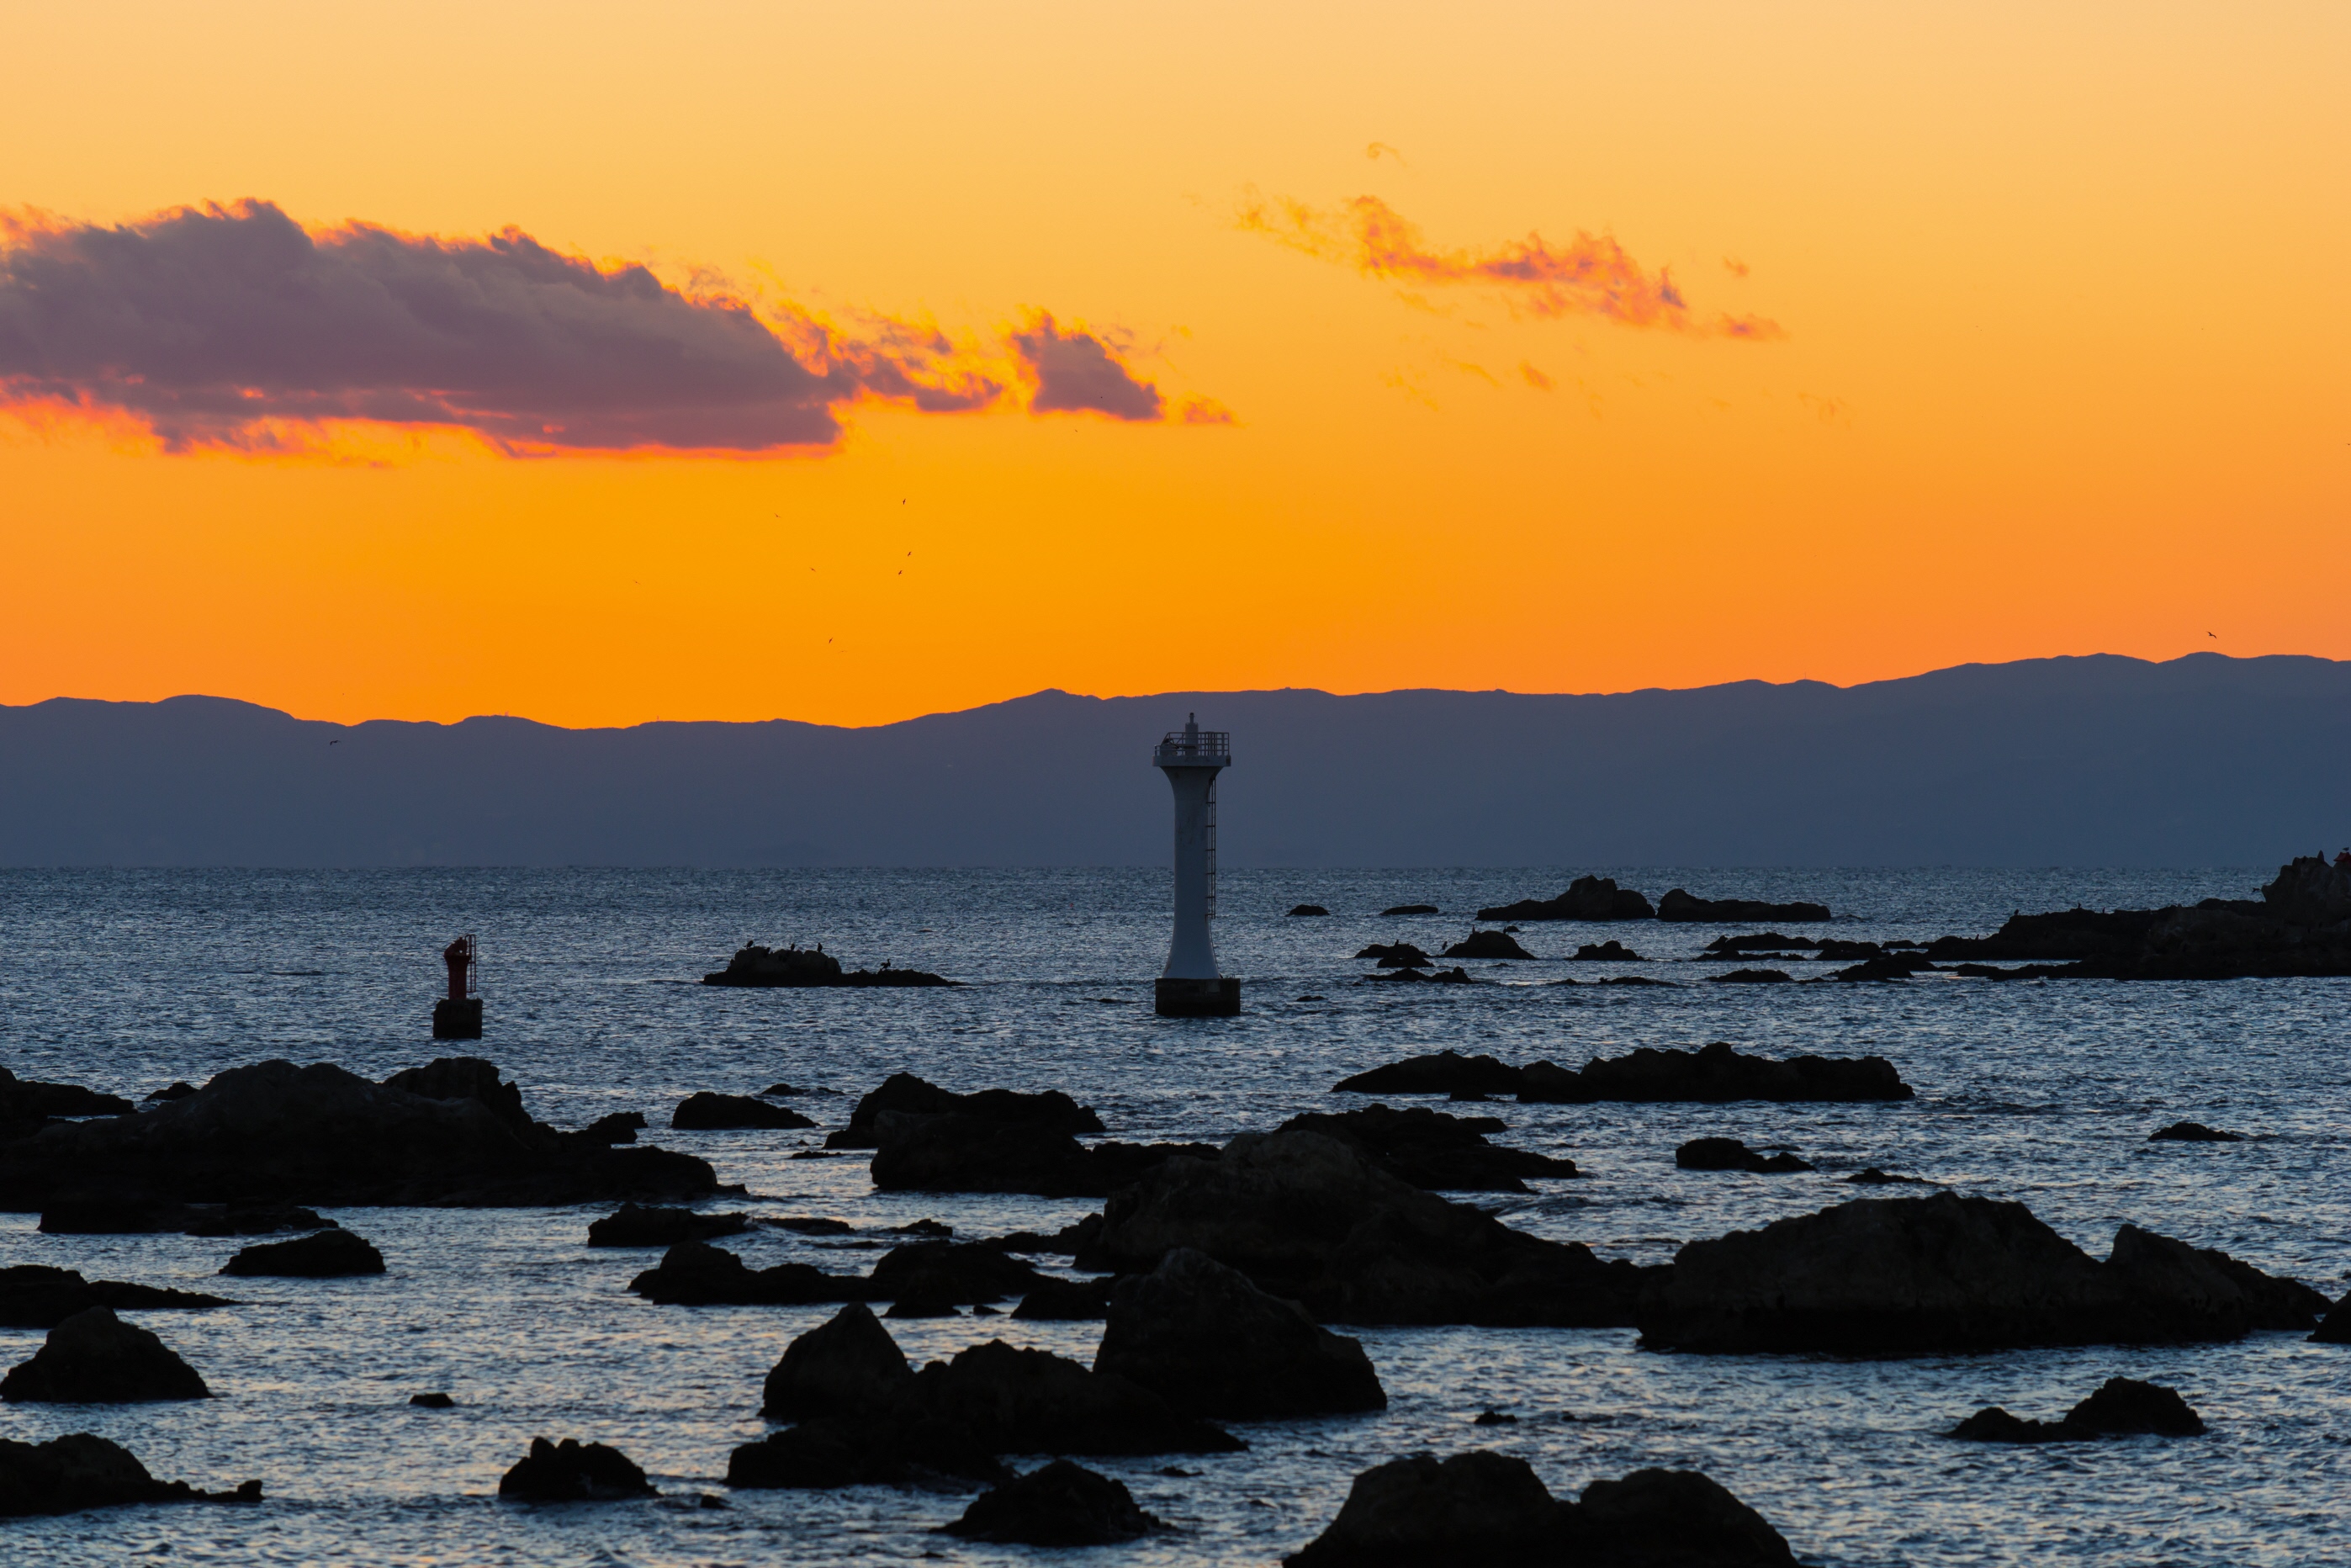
(1207, 745)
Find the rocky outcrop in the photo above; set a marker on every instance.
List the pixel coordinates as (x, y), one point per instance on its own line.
(95, 1358)
(962, 1273)
(848, 1367)
(1899, 1276)
(653, 1225)
(1885, 966)
(1486, 945)
(909, 1095)
(1308, 909)
(1396, 955)
(2335, 1326)
(1457, 975)
(24, 1103)
(1408, 909)
(149, 1216)
(1609, 952)
(37, 1296)
(2122, 1407)
(1310, 1218)
(1752, 978)
(1713, 1074)
(1067, 1301)
(573, 1471)
(1683, 907)
(1060, 1504)
(1033, 1402)
(1203, 1338)
(877, 1449)
(966, 1153)
(754, 966)
(705, 1113)
(1430, 1149)
(319, 1134)
(2193, 1133)
(696, 1274)
(322, 1255)
(79, 1471)
(1447, 1072)
(1484, 1508)
(1586, 898)
(1730, 1155)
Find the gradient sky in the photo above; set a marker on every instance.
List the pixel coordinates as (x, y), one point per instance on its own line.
(974, 349)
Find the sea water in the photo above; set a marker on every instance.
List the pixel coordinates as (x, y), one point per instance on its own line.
(2042, 1093)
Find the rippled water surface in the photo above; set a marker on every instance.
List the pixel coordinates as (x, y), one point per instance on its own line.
(2045, 1093)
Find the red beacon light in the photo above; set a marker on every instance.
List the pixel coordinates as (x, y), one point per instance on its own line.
(458, 1014)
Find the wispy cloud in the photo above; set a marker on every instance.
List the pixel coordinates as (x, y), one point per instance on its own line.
(1072, 371)
(235, 327)
(1590, 276)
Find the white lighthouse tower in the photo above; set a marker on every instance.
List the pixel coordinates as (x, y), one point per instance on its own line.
(1190, 986)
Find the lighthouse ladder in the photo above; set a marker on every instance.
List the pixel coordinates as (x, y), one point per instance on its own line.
(1212, 849)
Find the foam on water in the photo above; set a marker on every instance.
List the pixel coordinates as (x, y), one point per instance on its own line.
(2044, 1093)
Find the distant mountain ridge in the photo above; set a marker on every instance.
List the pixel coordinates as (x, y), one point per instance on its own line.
(2098, 760)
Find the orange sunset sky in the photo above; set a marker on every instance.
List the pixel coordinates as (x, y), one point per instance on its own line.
(974, 349)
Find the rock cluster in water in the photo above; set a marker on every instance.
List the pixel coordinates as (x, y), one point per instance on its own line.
(1432, 1150)
(2122, 1407)
(38, 1296)
(754, 966)
(1716, 1073)
(79, 1471)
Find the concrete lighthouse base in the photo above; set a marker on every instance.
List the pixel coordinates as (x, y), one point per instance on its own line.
(453, 1019)
(1216, 998)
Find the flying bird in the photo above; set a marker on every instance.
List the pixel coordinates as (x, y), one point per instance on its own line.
(2215, 636)
(335, 742)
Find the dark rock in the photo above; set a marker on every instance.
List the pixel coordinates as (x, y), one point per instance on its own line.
(903, 1092)
(471, 1078)
(1067, 1301)
(1586, 898)
(1474, 1508)
(1312, 1219)
(37, 1296)
(2122, 1407)
(1456, 976)
(1752, 978)
(618, 1127)
(115, 1217)
(1309, 909)
(1408, 909)
(176, 1089)
(1950, 1273)
(1835, 952)
(1062, 1504)
(1486, 945)
(696, 1274)
(2335, 1326)
(1033, 1402)
(1432, 1150)
(1071, 1239)
(1396, 955)
(961, 1272)
(1892, 966)
(785, 1090)
(1609, 952)
(874, 1450)
(1670, 1519)
(1730, 1155)
(706, 1112)
(962, 1153)
(433, 1401)
(1762, 942)
(78, 1471)
(1680, 905)
(1873, 1176)
(275, 1131)
(322, 1255)
(26, 1102)
(95, 1358)
(924, 1305)
(1203, 1338)
(1494, 1418)
(254, 1219)
(848, 1365)
(1713, 1074)
(574, 1472)
(810, 1224)
(643, 1225)
(754, 966)
(1447, 1072)
(2193, 1133)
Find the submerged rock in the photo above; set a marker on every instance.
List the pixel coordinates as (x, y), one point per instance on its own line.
(1062, 1504)
(696, 1274)
(1683, 907)
(319, 1134)
(1033, 1402)
(1396, 955)
(1308, 909)
(573, 1471)
(1885, 966)
(2193, 1133)
(1611, 952)
(1408, 909)
(906, 1093)
(78, 1471)
(1873, 1176)
(1486, 945)
(1203, 1338)
(1713, 1074)
(1456, 976)
(847, 1366)
(1430, 1149)
(2122, 1406)
(1311, 1219)
(706, 1112)
(322, 1255)
(1445, 1072)
(1586, 898)
(1950, 1273)
(37, 1296)
(431, 1401)
(644, 1225)
(1752, 978)
(872, 1449)
(1730, 1155)
(95, 1358)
